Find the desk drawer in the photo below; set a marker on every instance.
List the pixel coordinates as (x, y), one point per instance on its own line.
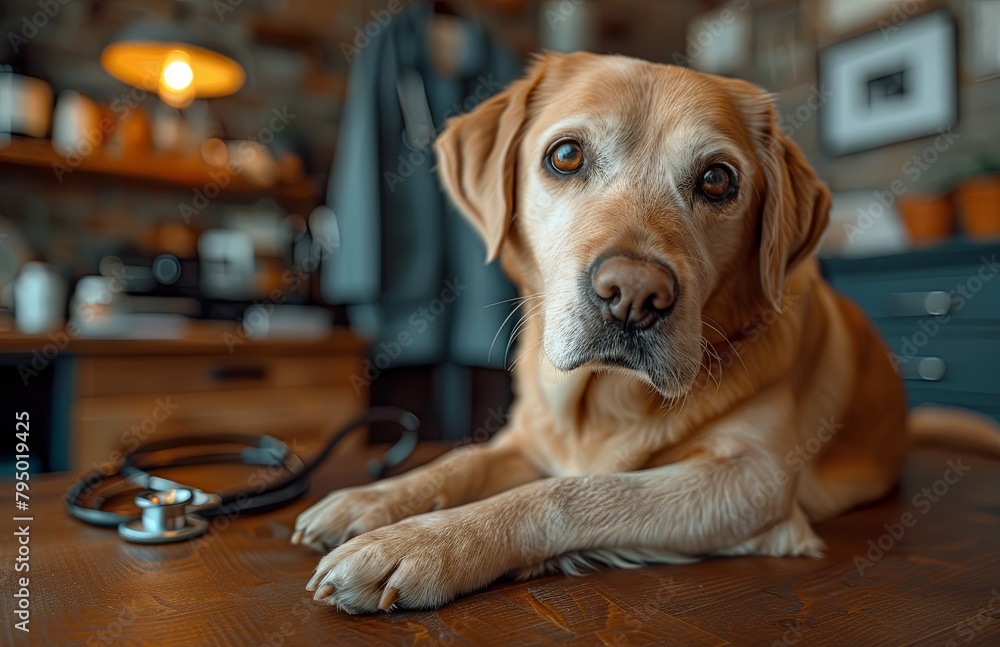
(159, 374)
(105, 425)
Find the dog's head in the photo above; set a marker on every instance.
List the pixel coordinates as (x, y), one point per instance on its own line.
(633, 197)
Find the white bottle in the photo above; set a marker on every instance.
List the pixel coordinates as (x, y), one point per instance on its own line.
(39, 299)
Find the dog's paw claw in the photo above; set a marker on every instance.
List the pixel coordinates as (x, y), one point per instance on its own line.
(324, 591)
(418, 563)
(326, 523)
(388, 598)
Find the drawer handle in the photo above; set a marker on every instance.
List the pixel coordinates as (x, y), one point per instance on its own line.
(929, 369)
(918, 304)
(233, 373)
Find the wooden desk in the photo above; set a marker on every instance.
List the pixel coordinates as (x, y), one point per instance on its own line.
(113, 393)
(939, 583)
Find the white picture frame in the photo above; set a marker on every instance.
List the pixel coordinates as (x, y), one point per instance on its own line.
(890, 85)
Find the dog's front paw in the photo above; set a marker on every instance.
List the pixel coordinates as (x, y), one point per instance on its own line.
(345, 514)
(418, 563)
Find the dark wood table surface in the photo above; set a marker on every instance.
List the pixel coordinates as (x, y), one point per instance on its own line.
(939, 583)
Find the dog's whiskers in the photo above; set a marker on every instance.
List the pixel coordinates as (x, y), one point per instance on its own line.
(519, 299)
(707, 354)
(505, 354)
(520, 327)
(507, 318)
(706, 320)
(521, 356)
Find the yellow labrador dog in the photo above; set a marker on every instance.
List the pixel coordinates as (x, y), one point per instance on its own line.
(689, 385)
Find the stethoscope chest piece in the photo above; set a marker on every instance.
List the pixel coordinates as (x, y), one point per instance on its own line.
(165, 517)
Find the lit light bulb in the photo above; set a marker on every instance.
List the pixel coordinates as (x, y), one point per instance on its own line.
(177, 75)
(177, 87)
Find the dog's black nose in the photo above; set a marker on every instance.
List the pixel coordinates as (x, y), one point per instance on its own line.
(635, 292)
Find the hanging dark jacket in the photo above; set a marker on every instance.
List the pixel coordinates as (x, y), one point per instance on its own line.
(410, 268)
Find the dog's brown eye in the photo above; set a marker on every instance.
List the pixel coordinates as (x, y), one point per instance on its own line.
(566, 156)
(718, 183)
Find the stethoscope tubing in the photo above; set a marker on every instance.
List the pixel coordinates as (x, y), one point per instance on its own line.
(135, 469)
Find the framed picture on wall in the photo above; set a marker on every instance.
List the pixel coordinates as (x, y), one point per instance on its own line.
(890, 85)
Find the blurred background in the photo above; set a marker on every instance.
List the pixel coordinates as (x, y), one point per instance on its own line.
(222, 215)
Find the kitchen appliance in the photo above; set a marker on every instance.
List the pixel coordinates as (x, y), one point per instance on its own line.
(227, 264)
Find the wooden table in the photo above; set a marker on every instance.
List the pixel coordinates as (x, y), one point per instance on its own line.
(939, 582)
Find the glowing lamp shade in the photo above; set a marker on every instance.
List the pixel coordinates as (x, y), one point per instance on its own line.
(177, 70)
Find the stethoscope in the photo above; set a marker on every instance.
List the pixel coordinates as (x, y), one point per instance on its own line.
(170, 511)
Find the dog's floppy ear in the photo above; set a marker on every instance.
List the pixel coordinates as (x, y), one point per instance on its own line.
(796, 207)
(477, 155)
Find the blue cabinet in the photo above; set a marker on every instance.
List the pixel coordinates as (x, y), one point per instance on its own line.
(939, 311)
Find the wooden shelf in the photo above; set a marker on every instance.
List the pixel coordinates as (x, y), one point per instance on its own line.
(202, 338)
(170, 170)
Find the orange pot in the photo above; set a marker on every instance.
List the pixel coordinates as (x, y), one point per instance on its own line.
(928, 218)
(979, 202)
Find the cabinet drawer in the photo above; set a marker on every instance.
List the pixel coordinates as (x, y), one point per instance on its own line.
(106, 425)
(160, 374)
(945, 361)
(886, 296)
